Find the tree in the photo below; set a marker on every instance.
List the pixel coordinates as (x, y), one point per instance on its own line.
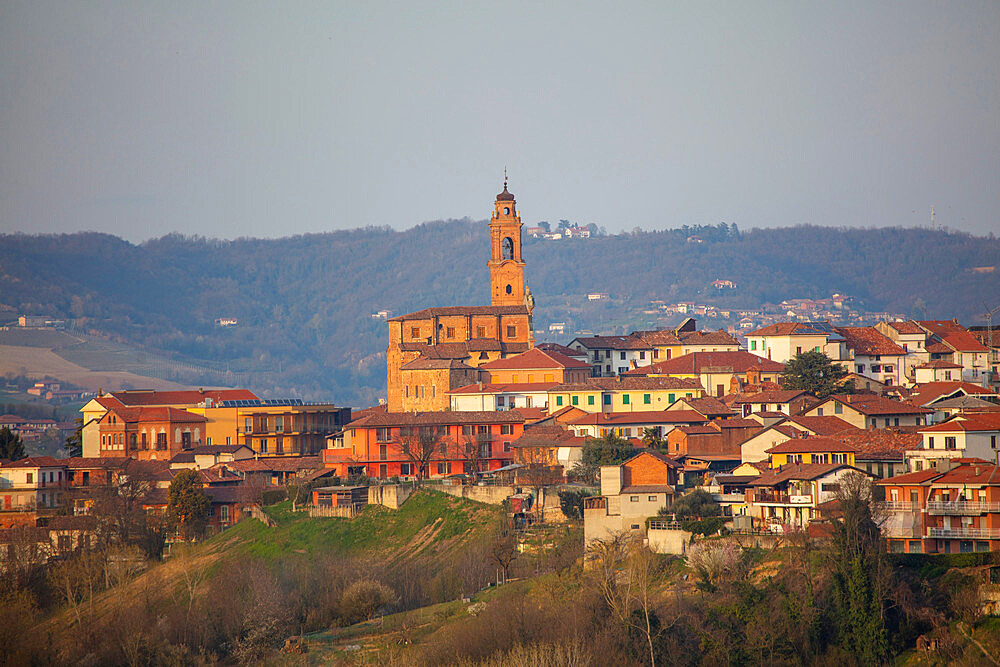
(187, 504)
(862, 576)
(696, 504)
(571, 502)
(118, 508)
(815, 373)
(11, 447)
(544, 224)
(363, 598)
(652, 439)
(74, 443)
(503, 545)
(420, 448)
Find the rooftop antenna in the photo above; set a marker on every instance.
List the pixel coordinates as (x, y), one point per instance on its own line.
(505, 177)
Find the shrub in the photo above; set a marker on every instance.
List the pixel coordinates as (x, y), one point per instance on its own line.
(363, 598)
(272, 496)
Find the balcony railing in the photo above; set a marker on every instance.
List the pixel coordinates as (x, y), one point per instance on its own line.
(595, 503)
(961, 507)
(899, 506)
(729, 497)
(659, 524)
(781, 499)
(984, 533)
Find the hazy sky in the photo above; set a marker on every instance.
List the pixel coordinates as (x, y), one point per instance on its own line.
(231, 119)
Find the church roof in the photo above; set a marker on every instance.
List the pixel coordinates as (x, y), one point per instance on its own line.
(445, 311)
(505, 196)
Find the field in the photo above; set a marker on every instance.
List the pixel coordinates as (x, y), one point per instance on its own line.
(85, 362)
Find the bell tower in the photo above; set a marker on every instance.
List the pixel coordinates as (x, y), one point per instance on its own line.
(506, 264)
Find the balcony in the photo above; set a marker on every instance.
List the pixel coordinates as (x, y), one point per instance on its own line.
(781, 499)
(899, 506)
(729, 497)
(595, 503)
(961, 507)
(964, 533)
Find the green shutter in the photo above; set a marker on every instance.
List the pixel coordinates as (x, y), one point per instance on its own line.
(607, 399)
(590, 400)
(575, 400)
(646, 399)
(558, 400)
(670, 398)
(624, 399)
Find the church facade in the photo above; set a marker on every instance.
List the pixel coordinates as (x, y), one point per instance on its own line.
(435, 350)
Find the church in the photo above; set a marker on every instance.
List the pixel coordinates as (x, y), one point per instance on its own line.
(435, 350)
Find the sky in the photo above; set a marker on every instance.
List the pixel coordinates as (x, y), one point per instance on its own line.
(229, 119)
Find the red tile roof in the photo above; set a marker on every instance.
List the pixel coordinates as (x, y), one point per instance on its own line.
(34, 462)
(796, 471)
(970, 421)
(825, 425)
(508, 387)
(929, 392)
(787, 329)
(939, 363)
(642, 417)
(701, 362)
(916, 477)
(438, 418)
(137, 398)
(954, 335)
(446, 311)
(768, 396)
(154, 414)
(908, 327)
(422, 364)
(871, 404)
(869, 341)
(535, 358)
(561, 349)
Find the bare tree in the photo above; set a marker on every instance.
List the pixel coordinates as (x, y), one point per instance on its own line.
(420, 448)
(470, 449)
(625, 569)
(118, 507)
(503, 546)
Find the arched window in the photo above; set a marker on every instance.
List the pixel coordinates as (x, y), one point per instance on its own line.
(508, 248)
(509, 289)
(506, 210)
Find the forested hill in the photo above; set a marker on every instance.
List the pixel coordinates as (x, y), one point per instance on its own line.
(305, 303)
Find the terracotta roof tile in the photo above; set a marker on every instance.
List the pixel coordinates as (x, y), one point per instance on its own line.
(699, 362)
(133, 398)
(869, 341)
(446, 311)
(535, 358)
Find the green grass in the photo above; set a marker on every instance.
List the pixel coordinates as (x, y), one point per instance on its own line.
(375, 528)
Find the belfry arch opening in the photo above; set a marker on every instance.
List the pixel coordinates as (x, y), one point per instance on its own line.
(508, 248)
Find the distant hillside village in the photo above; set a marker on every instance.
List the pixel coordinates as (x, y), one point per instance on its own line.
(475, 406)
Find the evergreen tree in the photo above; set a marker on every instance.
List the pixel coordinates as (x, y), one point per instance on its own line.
(11, 447)
(187, 504)
(815, 373)
(74, 443)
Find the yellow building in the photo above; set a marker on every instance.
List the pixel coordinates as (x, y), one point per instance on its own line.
(811, 450)
(623, 394)
(275, 428)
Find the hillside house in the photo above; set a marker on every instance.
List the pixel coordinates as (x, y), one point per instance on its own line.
(631, 493)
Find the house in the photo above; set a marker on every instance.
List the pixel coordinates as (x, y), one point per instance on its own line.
(548, 444)
(624, 393)
(874, 355)
(952, 508)
(938, 370)
(869, 411)
(462, 442)
(813, 449)
(270, 471)
(340, 496)
(632, 424)
(536, 365)
(950, 341)
(721, 437)
(206, 456)
(35, 482)
(273, 427)
(715, 370)
(157, 433)
(970, 435)
(784, 401)
(754, 448)
(631, 493)
(782, 341)
(787, 498)
(502, 396)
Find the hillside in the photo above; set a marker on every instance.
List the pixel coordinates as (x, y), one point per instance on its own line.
(305, 303)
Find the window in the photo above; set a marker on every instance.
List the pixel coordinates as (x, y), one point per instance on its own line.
(622, 355)
(575, 400)
(635, 526)
(383, 471)
(442, 468)
(930, 442)
(480, 332)
(624, 399)
(895, 421)
(511, 331)
(248, 425)
(405, 468)
(633, 499)
(414, 332)
(161, 440)
(224, 513)
(753, 345)
(434, 391)
(406, 391)
(920, 466)
(798, 350)
(263, 445)
(819, 412)
(508, 243)
(449, 332)
(949, 442)
(993, 441)
(279, 424)
(506, 445)
(559, 400)
(31, 477)
(838, 408)
(590, 400)
(646, 399)
(651, 499)
(506, 429)
(642, 354)
(887, 422)
(607, 399)
(383, 434)
(670, 398)
(383, 452)
(861, 368)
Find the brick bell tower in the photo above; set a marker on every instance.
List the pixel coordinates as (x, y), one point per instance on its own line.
(506, 264)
